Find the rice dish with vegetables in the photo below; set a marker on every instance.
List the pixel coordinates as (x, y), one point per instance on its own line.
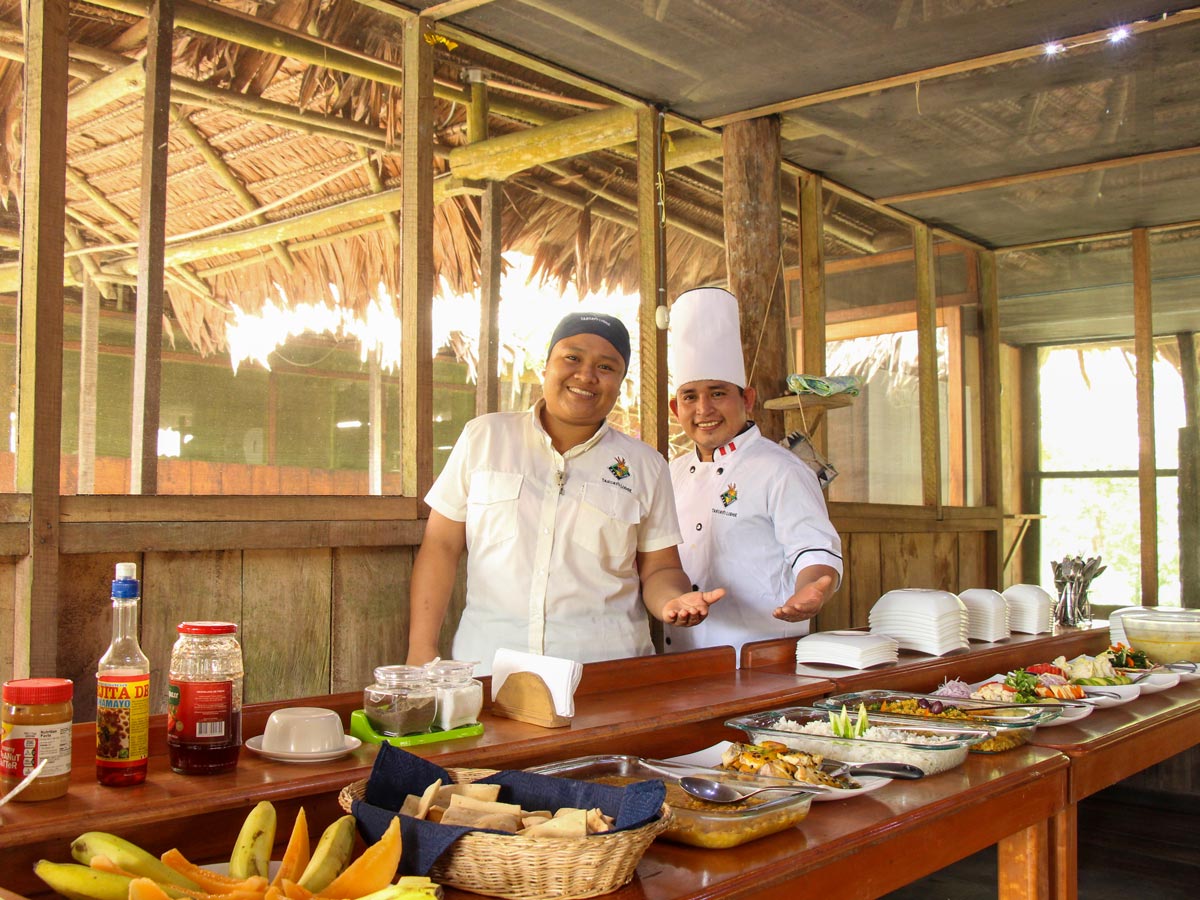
(877, 744)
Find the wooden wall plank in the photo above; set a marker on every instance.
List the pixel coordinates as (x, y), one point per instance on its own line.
(286, 614)
(144, 536)
(919, 560)
(116, 508)
(370, 613)
(838, 613)
(8, 607)
(1143, 345)
(184, 587)
(866, 576)
(85, 624)
(976, 565)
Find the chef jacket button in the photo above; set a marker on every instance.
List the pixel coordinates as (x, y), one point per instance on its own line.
(695, 587)
(692, 470)
(699, 527)
(668, 642)
(721, 471)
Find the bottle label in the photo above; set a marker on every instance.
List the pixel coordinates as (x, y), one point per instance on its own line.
(200, 712)
(122, 719)
(22, 747)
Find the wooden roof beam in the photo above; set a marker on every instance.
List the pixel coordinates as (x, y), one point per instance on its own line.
(953, 68)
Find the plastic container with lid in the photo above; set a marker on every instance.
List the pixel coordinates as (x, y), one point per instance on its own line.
(36, 725)
(204, 699)
(402, 700)
(459, 695)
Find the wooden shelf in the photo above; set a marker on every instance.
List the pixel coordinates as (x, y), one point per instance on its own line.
(805, 412)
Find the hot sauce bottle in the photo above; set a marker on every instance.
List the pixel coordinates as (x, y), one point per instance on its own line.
(123, 691)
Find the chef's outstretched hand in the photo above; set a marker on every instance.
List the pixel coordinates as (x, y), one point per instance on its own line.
(690, 608)
(807, 601)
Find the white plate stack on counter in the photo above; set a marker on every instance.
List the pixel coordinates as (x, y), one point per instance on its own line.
(987, 614)
(1030, 609)
(853, 649)
(928, 621)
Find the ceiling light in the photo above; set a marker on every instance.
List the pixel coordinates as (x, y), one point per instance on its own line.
(1053, 49)
(1118, 34)
(350, 423)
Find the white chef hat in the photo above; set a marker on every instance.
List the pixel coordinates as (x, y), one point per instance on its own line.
(706, 338)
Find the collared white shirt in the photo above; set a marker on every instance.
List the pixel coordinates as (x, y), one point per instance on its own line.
(752, 519)
(552, 538)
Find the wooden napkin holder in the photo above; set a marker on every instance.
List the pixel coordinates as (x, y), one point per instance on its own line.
(525, 697)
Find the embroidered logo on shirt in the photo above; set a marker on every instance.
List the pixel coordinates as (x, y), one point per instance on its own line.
(619, 469)
(730, 495)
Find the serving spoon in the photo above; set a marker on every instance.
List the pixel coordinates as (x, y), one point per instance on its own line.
(718, 792)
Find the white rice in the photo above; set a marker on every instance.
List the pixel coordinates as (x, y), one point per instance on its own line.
(876, 744)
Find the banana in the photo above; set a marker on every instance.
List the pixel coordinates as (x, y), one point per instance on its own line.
(410, 887)
(129, 857)
(252, 849)
(82, 882)
(331, 856)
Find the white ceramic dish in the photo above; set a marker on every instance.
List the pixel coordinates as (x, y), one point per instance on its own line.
(924, 600)
(1124, 692)
(254, 745)
(1066, 714)
(710, 757)
(1154, 682)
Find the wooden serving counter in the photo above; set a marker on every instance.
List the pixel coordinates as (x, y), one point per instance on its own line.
(1021, 800)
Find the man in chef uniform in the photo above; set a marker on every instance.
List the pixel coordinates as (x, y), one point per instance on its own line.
(752, 514)
(569, 525)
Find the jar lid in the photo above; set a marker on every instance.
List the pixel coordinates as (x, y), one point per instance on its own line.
(206, 628)
(398, 675)
(451, 670)
(38, 691)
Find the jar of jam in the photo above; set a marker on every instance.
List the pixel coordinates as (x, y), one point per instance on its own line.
(35, 726)
(459, 696)
(204, 699)
(401, 701)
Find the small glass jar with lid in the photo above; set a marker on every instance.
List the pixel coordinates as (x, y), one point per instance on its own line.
(401, 701)
(204, 699)
(35, 724)
(459, 695)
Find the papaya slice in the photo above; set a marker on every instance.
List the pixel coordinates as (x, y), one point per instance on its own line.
(372, 871)
(146, 889)
(297, 854)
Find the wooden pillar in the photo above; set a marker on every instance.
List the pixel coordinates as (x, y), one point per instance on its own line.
(1031, 451)
(374, 425)
(89, 349)
(812, 274)
(39, 377)
(990, 408)
(147, 340)
(487, 377)
(752, 157)
(416, 261)
(1143, 345)
(931, 463)
(652, 223)
(1189, 475)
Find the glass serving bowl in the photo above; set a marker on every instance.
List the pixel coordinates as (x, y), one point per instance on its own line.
(696, 822)
(932, 748)
(1165, 635)
(1014, 723)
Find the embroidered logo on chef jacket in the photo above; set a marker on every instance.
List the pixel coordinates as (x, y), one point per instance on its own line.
(729, 496)
(619, 469)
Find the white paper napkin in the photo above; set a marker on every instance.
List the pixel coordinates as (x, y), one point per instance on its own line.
(561, 675)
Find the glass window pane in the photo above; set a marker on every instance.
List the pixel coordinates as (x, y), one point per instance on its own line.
(1088, 408)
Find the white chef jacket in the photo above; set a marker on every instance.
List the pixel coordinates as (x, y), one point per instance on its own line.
(552, 538)
(752, 519)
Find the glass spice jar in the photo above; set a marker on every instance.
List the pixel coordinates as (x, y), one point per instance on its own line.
(459, 695)
(35, 725)
(204, 699)
(401, 701)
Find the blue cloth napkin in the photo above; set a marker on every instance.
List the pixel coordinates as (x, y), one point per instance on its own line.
(397, 773)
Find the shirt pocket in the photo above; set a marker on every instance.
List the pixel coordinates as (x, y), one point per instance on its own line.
(607, 522)
(492, 507)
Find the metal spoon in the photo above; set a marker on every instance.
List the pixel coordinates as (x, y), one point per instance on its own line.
(835, 769)
(717, 792)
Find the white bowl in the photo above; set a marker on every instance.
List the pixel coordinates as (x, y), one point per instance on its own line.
(1166, 635)
(930, 603)
(303, 729)
(1028, 595)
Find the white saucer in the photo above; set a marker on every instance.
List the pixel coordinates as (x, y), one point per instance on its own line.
(254, 745)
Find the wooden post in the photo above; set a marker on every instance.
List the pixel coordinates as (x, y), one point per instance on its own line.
(374, 425)
(1143, 345)
(487, 376)
(652, 223)
(39, 377)
(993, 480)
(147, 340)
(752, 257)
(1189, 475)
(931, 463)
(89, 347)
(416, 261)
(812, 274)
(956, 400)
(1031, 479)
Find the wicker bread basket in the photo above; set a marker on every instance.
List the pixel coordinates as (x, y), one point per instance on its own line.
(532, 868)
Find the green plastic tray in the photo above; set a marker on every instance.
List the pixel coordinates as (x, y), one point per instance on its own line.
(361, 729)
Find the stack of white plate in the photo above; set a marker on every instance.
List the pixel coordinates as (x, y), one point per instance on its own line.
(1030, 609)
(987, 614)
(927, 621)
(855, 649)
(1116, 631)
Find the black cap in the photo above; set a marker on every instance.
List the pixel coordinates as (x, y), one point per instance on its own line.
(602, 325)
